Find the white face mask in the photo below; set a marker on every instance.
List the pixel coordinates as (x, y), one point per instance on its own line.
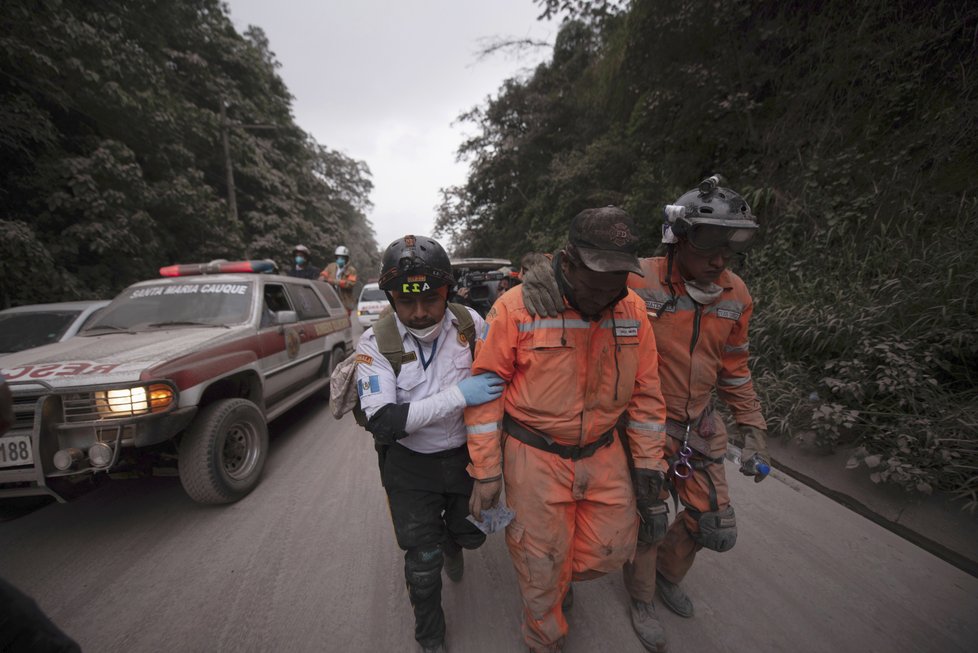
(703, 293)
(427, 335)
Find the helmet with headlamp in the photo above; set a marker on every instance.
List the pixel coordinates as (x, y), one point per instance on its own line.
(415, 264)
(710, 217)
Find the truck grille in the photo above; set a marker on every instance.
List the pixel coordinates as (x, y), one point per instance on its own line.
(24, 411)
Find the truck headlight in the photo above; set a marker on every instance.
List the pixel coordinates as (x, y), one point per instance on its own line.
(134, 401)
(127, 400)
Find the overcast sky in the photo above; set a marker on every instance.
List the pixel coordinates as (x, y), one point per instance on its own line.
(383, 81)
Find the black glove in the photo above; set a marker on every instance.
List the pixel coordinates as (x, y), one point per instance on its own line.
(387, 424)
(652, 509)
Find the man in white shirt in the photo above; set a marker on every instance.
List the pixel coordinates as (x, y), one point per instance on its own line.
(414, 413)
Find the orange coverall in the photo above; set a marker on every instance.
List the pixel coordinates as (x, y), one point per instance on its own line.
(345, 283)
(571, 379)
(700, 348)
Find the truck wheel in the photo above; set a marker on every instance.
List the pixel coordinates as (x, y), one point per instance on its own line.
(223, 452)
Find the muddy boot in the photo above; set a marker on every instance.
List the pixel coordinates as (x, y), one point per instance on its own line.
(434, 648)
(454, 566)
(646, 624)
(674, 597)
(568, 601)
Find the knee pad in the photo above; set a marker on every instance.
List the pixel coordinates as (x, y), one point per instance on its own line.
(718, 530)
(422, 570)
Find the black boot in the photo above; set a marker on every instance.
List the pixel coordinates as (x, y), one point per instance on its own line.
(646, 624)
(674, 597)
(454, 566)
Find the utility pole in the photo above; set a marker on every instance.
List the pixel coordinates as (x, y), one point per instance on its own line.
(232, 200)
(228, 166)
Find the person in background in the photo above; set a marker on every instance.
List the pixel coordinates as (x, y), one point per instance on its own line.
(302, 264)
(343, 276)
(700, 312)
(414, 413)
(552, 435)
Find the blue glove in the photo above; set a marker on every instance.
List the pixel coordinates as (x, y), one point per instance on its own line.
(481, 388)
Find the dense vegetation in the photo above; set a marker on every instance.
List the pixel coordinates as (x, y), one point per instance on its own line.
(113, 163)
(853, 130)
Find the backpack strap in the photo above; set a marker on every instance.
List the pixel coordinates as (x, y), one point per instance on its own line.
(389, 341)
(464, 323)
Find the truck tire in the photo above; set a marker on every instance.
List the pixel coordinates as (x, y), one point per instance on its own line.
(223, 452)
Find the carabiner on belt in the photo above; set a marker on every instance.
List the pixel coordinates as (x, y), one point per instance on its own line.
(682, 468)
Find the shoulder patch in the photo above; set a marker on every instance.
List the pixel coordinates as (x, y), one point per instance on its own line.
(368, 386)
(365, 359)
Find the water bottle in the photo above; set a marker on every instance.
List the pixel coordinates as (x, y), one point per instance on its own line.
(756, 466)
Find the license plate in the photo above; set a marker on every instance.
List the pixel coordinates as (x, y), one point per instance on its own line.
(16, 450)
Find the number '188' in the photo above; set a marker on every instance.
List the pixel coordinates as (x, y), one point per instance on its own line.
(14, 451)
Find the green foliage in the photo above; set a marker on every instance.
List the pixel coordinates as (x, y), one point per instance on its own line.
(852, 130)
(110, 130)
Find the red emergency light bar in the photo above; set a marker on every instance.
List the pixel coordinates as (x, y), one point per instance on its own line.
(217, 267)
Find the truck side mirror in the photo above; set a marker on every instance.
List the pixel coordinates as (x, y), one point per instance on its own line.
(286, 317)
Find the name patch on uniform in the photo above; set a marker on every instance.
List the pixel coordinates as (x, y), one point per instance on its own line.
(728, 314)
(365, 359)
(657, 306)
(624, 332)
(409, 357)
(368, 386)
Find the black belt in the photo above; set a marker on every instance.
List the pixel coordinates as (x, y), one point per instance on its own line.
(539, 440)
(444, 453)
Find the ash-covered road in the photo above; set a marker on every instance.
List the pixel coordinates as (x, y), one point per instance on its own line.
(308, 562)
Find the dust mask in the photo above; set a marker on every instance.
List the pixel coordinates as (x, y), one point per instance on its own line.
(703, 293)
(428, 335)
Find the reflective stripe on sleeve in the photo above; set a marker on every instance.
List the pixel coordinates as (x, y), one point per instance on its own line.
(734, 382)
(647, 426)
(738, 348)
(477, 429)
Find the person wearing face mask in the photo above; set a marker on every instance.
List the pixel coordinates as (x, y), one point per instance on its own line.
(343, 276)
(301, 264)
(700, 312)
(415, 416)
(551, 437)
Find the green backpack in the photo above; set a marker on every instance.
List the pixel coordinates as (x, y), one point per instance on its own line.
(343, 396)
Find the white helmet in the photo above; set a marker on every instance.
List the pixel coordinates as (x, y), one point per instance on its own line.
(342, 251)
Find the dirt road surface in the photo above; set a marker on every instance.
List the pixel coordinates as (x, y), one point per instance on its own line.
(308, 562)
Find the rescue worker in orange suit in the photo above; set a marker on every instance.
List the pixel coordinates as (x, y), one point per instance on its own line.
(700, 312)
(566, 473)
(343, 276)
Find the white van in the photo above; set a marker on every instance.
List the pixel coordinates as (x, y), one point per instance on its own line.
(372, 303)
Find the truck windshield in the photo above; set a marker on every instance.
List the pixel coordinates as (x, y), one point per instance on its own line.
(176, 305)
(373, 295)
